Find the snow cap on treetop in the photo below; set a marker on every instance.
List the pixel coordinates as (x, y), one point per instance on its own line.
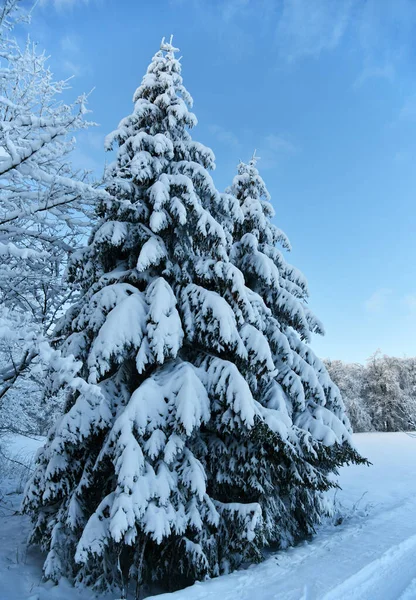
(254, 159)
(167, 46)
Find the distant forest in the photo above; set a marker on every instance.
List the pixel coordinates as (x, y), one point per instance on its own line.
(378, 396)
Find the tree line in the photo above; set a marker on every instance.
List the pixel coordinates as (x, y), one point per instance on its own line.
(380, 395)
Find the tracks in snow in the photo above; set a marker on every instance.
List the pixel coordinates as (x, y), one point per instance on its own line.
(390, 576)
(372, 558)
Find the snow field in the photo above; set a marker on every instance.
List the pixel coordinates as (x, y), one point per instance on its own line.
(368, 556)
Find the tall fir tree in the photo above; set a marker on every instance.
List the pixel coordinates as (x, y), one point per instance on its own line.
(177, 453)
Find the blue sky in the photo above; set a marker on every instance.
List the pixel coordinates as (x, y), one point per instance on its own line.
(326, 92)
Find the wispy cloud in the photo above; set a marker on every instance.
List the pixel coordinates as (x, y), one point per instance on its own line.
(227, 18)
(224, 136)
(89, 151)
(384, 33)
(94, 140)
(375, 72)
(404, 156)
(378, 301)
(385, 299)
(379, 32)
(230, 9)
(410, 302)
(279, 143)
(64, 4)
(408, 111)
(308, 27)
(73, 59)
(273, 147)
(71, 44)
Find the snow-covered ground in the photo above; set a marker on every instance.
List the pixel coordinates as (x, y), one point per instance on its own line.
(370, 555)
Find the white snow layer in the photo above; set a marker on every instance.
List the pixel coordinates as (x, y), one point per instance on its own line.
(369, 555)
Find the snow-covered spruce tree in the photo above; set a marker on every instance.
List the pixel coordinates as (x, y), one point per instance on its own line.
(320, 429)
(175, 455)
(162, 336)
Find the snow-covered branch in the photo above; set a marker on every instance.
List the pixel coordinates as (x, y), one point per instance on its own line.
(45, 205)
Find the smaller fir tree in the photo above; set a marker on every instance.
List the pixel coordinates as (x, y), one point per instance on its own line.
(319, 424)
